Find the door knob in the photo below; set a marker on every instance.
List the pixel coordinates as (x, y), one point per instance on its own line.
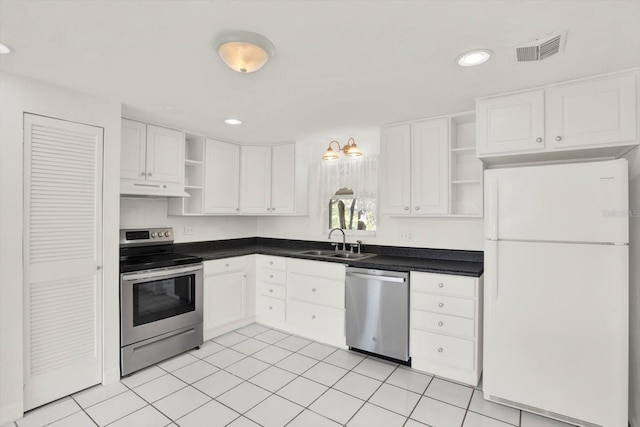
(149, 174)
(538, 139)
(558, 138)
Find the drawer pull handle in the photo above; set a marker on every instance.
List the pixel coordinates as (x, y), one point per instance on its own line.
(226, 265)
(270, 262)
(313, 316)
(441, 305)
(558, 138)
(270, 307)
(270, 290)
(538, 139)
(440, 323)
(406, 208)
(441, 285)
(271, 276)
(313, 290)
(440, 350)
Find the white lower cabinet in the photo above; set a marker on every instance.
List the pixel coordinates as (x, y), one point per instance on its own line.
(446, 326)
(316, 300)
(229, 296)
(271, 274)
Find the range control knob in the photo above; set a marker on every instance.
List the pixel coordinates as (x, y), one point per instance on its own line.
(153, 234)
(167, 234)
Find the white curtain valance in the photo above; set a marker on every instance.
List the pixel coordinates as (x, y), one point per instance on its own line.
(358, 174)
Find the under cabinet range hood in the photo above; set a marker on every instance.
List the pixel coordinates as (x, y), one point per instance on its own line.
(151, 189)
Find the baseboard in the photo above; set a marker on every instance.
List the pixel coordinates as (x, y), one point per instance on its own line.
(11, 413)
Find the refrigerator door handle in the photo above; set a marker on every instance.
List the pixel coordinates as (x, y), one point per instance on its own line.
(492, 217)
(491, 254)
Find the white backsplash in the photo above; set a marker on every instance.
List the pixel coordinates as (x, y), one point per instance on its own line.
(152, 212)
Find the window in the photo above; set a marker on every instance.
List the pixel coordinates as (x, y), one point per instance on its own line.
(349, 192)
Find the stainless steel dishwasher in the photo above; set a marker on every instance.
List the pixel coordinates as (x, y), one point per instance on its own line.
(377, 306)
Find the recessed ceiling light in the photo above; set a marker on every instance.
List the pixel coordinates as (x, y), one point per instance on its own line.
(233, 122)
(474, 57)
(4, 49)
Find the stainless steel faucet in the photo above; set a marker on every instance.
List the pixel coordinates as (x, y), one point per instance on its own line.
(344, 237)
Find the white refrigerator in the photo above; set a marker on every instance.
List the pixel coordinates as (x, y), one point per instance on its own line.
(556, 291)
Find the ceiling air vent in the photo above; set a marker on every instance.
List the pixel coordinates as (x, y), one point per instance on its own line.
(541, 47)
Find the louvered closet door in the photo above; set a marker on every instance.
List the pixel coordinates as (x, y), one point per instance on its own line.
(62, 258)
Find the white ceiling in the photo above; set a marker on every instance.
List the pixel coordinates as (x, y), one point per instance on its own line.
(339, 65)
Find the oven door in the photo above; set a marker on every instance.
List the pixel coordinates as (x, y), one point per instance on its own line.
(157, 301)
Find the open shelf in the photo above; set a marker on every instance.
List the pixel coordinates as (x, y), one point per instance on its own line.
(466, 169)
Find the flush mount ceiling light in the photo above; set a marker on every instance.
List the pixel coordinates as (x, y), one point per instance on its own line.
(474, 57)
(4, 49)
(233, 122)
(243, 51)
(351, 150)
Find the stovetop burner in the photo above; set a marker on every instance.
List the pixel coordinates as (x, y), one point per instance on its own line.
(145, 249)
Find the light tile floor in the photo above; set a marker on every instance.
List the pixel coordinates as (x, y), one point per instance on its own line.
(257, 376)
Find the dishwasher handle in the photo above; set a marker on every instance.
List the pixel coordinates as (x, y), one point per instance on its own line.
(375, 277)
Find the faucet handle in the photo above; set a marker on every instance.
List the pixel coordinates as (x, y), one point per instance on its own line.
(335, 246)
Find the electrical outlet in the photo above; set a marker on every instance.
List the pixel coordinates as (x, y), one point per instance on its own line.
(406, 236)
(187, 229)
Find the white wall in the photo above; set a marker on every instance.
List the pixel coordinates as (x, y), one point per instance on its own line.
(152, 212)
(442, 233)
(17, 96)
(634, 288)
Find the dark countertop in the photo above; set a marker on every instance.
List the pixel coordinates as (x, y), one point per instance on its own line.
(462, 263)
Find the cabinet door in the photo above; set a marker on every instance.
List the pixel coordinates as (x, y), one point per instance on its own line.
(430, 167)
(283, 183)
(224, 299)
(592, 113)
(221, 177)
(510, 124)
(132, 150)
(165, 155)
(255, 180)
(395, 171)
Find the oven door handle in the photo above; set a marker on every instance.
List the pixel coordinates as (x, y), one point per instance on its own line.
(170, 272)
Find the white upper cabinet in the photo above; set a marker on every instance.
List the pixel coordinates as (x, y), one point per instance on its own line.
(430, 167)
(222, 177)
(133, 151)
(590, 118)
(152, 160)
(283, 186)
(395, 155)
(255, 180)
(415, 168)
(511, 124)
(273, 180)
(603, 111)
(165, 155)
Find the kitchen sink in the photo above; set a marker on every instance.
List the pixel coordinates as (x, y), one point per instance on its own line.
(335, 254)
(350, 255)
(317, 252)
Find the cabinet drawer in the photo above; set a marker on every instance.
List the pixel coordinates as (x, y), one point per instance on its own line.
(326, 270)
(456, 352)
(270, 307)
(444, 305)
(272, 262)
(271, 290)
(314, 317)
(223, 266)
(442, 323)
(277, 277)
(316, 291)
(444, 284)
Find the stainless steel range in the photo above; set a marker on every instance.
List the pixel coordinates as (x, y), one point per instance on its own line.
(160, 299)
